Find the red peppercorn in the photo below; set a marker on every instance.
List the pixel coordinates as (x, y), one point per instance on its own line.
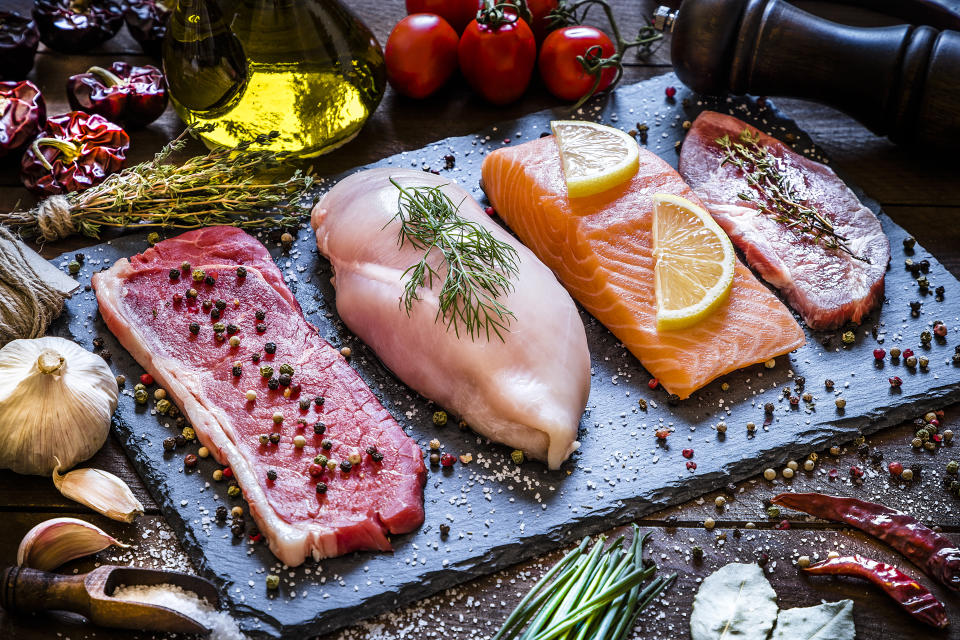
(895, 468)
(907, 353)
(832, 474)
(937, 437)
(856, 472)
(687, 453)
(316, 470)
(256, 537)
(663, 433)
(879, 354)
(489, 211)
(506, 141)
(935, 423)
(940, 330)
(653, 383)
(671, 92)
(190, 460)
(447, 460)
(177, 298)
(784, 524)
(227, 472)
(691, 465)
(895, 382)
(146, 379)
(794, 401)
(939, 413)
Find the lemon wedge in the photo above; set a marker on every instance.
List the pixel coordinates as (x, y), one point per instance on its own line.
(694, 262)
(595, 157)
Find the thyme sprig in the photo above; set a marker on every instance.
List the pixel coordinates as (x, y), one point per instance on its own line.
(223, 187)
(774, 195)
(477, 267)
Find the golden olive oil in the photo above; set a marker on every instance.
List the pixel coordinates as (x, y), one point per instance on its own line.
(305, 69)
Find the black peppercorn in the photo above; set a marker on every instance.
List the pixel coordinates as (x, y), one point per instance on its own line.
(284, 380)
(863, 450)
(221, 514)
(274, 438)
(210, 280)
(215, 313)
(319, 428)
(255, 357)
(220, 304)
(232, 329)
(376, 456)
(237, 371)
(295, 389)
(673, 399)
(241, 272)
(169, 444)
(925, 266)
(319, 399)
(909, 243)
(444, 530)
(345, 466)
(327, 444)
(304, 404)
(194, 328)
(273, 383)
(271, 474)
(270, 347)
(768, 407)
(261, 327)
(371, 449)
(237, 529)
(321, 487)
(940, 291)
(260, 314)
(181, 440)
(174, 274)
(206, 305)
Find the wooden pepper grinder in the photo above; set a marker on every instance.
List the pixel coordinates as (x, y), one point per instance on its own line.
(900, 81)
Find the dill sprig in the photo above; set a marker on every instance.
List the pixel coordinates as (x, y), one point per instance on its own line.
(774, 195)
(223, 187)
(596, 595)
(477, 266)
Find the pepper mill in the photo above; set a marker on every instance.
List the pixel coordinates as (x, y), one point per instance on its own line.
(901, 81)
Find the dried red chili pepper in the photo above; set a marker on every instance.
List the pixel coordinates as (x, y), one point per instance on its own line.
(907, 592)
(123, 93)
(19, 39)
(932, 552)
(147, 22)
(74, 26)
(75, 151)
(22, 114)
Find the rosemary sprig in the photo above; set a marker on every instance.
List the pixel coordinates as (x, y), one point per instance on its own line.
(223, 187)
(588, 596)
(774, 195)
(477, 266)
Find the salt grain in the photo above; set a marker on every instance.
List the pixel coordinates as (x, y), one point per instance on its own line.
(221, 625)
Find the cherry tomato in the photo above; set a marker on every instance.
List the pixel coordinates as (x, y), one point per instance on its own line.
(421, 54)
(539, 10)
(563, 74)
(498, 60)
(458, 13)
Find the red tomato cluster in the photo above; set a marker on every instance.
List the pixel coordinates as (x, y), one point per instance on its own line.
(496, 50)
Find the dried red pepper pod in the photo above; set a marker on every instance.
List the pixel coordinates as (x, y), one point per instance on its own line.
(19, 39)
(147, 22)
(124, 93)
(22, 114)
(907, 592)
(75, 26)
(935, 554)
(74, 152)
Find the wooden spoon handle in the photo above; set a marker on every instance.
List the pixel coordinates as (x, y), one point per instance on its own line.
(27, 590)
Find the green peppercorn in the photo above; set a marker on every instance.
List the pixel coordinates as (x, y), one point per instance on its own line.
(163, 406)
(139, 387)
(273, 580)
(219, 327)
(773, 511)
(73, 267)
(517, 456)
(287, 369)
(320, 460)
(197, 275)
(141, 396)
(923, 283)
(266, 371)
(926, 337)
(917, 443)
(697, 553)
(952, 467)
(189, 433)
(153, 238)
(923, 434)
(440, 418)
(233, 491)
(848, 337)
(271, 474)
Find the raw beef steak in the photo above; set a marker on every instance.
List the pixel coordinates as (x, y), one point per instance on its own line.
(184, 342)
(828, 287)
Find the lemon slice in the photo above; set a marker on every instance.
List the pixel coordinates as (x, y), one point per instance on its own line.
(595, 157)
(694, 262)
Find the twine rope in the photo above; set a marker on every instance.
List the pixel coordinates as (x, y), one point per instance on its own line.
(27, 303)
(53, 218)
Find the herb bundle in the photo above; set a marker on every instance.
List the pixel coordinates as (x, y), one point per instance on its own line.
(588, 596)
(774, 195)
(223, 187)
(478, 266)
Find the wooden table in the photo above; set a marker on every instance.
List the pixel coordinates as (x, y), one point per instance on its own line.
(920, 193)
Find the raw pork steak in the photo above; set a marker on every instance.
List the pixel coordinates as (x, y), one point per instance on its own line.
(827, 286)
(145, 303)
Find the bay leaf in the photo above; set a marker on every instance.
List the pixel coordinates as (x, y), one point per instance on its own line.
(827, 621)
(736, 602)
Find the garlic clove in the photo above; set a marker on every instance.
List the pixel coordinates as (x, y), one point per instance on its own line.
(57, 541)
(103, 492)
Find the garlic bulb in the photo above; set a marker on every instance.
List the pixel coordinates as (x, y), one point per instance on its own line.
(56, 399)
(59, 540)
(103, 492)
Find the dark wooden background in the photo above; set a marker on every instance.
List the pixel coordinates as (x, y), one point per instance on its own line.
(921, 193)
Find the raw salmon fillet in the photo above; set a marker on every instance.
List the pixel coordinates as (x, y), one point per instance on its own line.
(600, 249)
(828, 287)
(148, 311)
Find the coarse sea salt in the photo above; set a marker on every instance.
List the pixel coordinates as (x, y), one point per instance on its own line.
(221, 625)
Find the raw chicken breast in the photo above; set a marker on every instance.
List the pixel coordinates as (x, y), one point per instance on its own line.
(527, 391)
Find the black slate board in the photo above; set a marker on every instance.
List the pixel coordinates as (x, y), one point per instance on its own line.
(500, 513)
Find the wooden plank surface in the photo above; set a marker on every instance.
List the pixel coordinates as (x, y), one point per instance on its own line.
(921, 193)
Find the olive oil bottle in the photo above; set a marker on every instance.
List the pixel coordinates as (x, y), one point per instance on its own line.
(308, 70)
